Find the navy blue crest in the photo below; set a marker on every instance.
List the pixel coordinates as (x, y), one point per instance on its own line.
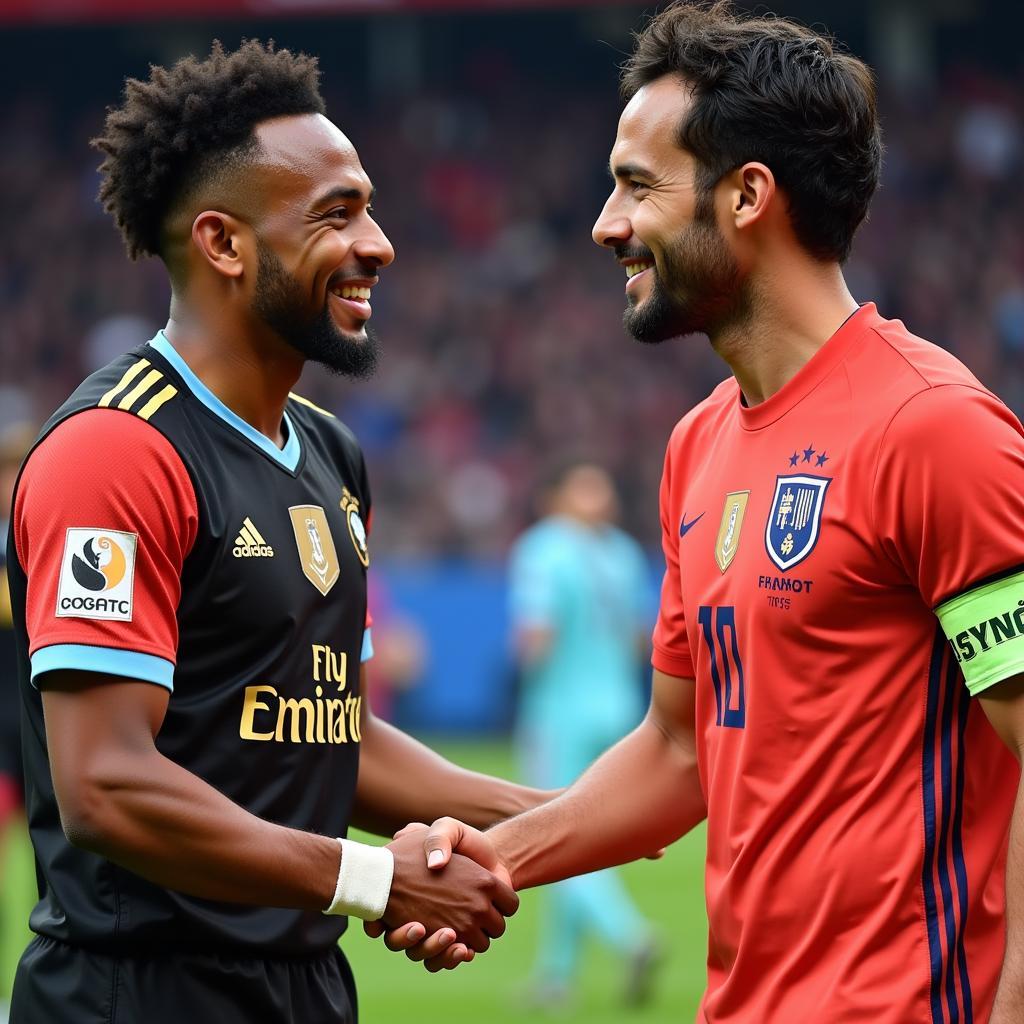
(794, 520)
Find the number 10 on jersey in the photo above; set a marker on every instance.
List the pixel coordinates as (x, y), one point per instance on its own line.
(718, 624)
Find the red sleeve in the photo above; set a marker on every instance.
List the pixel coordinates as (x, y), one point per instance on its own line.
(104, 517)
(948, 496)
(671, 646)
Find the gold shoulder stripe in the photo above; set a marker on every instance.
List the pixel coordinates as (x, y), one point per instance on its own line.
(160, 398)
(306, 402)
(140, 389)
(129, 375)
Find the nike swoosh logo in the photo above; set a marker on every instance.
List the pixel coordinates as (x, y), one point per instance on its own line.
(685, 527)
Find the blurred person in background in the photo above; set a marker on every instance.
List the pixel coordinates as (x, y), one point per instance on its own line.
(838, 683)
(580, 604)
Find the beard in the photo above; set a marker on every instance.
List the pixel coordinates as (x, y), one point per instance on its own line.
(281, 304)
(704, 289)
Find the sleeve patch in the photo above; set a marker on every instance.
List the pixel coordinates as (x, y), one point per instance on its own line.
(985, 627)
(97, 574)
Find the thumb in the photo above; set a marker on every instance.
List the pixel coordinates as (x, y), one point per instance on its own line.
(444, 834)
(448, 834)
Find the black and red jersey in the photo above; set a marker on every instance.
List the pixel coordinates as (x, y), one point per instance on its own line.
(156, 536)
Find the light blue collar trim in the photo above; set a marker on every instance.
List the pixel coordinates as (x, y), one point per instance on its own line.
(287, 457)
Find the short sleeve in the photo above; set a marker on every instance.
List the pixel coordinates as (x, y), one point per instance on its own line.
(948, 502)
(105, 515)
(671, 646)
(533, 584)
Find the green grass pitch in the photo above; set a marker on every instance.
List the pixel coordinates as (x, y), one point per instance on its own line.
(491, 989)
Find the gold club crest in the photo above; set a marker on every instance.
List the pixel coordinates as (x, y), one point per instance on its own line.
(317, 554)
(349, 505)
(729, 531)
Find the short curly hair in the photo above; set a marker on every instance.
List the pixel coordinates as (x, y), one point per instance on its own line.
(771, 90)
(185, 125)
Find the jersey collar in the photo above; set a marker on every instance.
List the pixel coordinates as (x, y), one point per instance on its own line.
(288, 457)
(812, 373)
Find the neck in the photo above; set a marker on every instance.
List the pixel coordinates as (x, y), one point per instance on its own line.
(249, 372)
(790, 315)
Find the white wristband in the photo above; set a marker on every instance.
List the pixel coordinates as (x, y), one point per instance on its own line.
(364, 881)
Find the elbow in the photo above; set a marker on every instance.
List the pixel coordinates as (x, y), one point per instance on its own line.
(88, 813)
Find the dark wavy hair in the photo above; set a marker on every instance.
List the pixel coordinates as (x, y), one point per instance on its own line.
(770, 90)
(185, 125)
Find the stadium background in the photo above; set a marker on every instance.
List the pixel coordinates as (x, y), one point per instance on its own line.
(486, 128)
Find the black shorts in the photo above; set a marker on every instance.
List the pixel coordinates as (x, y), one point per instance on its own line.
(61, 984)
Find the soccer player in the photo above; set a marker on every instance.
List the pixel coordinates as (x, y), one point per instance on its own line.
(839, 653)
(188, 559)
(579, 593)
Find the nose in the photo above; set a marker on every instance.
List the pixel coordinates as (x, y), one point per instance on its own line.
(611, 228)
(374, 247)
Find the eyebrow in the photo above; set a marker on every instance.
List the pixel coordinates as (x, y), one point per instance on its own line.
(629, 171)
(345, 193)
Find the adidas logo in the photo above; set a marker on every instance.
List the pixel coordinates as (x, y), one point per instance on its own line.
(250, 543)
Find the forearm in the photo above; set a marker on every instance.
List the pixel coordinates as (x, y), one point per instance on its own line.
(1009, 1003)
(640, 796)
(401, 780)
(169, 826)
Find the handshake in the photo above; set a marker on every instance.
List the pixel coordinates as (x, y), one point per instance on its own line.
(450, 895)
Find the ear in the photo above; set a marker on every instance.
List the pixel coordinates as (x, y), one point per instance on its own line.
(753, 188)
(223, 241)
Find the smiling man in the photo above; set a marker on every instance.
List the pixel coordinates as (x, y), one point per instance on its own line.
(188, 559)
(839, 654)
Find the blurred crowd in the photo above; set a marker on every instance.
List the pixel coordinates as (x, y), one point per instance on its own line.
(500, 320)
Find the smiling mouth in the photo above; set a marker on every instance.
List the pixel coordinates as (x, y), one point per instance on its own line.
(632, 269)
(354, 300)
(351, 292)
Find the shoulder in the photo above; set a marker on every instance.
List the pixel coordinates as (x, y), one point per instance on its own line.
(97, 446)
(891, 366)
(324, 424)
(704, 418)
(134, 383)
(951, 417)
(544, 541)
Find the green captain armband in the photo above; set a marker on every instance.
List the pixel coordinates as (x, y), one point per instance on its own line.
(986, 628)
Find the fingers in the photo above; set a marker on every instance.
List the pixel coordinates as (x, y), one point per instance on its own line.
(454, 955)
(375, 929)
(504, 898)
(413, 826)
(433, 946)
(405, 937)
(494, 926)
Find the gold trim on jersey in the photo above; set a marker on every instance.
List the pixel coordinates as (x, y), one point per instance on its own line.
(129, 375)
(160, 398)
(140, 389)
(130, 391)
(306, 402)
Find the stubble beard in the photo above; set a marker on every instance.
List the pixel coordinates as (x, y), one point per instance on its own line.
(704, 292)
(280, 303)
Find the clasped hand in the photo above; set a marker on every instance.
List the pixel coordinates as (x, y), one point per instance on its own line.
(449, 897)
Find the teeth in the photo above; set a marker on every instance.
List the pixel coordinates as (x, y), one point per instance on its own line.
(348, 292)
(632, 269)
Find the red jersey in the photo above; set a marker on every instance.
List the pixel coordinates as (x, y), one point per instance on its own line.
(820, 547)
